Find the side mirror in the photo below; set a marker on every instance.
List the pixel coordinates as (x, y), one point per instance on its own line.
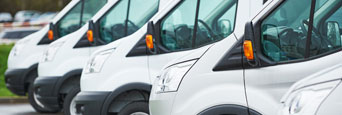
(150, 38)
(224, 26)
(333, 33)
(92, 31)
(248, 44)
(51, 32)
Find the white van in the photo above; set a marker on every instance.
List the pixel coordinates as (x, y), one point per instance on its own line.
(250, 70)
(318, 94)
(118, 77)
(25, 55)
(61, 65)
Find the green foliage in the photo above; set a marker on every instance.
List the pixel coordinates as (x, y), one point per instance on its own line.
(13, 6)
(4, 52)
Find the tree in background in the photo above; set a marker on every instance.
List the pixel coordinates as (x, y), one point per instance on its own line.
(14, 6)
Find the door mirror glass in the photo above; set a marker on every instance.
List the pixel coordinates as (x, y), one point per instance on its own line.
(333, 33)
(224, 27)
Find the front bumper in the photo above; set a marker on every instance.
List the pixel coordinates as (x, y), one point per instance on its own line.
(161, 104)
(45, 90)
(90, 103)
(15, 80)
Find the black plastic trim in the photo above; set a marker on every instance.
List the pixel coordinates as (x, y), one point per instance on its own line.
(15, 79)
(128, 87)
(90, 103)
(139, 49)
(228, 110)
(232, 59)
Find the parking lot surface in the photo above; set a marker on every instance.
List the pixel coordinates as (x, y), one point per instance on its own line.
(19, 109)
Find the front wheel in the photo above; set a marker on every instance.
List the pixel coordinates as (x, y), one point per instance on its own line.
(32, 97)
(135, 108)
(69, 104)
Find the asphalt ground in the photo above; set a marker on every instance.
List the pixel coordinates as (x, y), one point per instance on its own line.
(19, 109)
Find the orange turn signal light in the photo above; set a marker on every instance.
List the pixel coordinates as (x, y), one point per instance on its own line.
(90, 36)
(50, 35)
(248, 49)
(149, 41)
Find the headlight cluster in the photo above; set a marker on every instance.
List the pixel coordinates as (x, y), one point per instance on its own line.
(50, 53)
(96, 62)
(306, 101)
(18, 46)
(172, 76)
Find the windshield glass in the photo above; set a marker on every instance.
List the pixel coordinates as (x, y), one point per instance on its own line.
(78, 16)
(125, 18)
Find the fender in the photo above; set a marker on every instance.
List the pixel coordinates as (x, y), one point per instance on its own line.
(229, 109)
(59, 87)
(131, 86)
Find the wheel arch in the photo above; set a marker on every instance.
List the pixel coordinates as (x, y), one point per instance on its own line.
(65, 84)
(28, 78)
(130, 91)
(229, 109)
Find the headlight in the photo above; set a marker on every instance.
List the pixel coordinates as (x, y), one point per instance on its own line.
(172, 76)
(306, 101)
(50, 53)
(18, 46)
(96, 62)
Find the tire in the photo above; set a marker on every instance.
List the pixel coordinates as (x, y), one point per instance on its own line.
(135, 108)
(34, 102)
(69, 100)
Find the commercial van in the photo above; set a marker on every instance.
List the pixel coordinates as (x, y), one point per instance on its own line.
(60, 68)
(118, 77)
(25, 55)
(249, 72)
(318, 94)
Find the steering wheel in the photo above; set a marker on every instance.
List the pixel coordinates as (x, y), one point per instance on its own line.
(132, 23)
(211, 33)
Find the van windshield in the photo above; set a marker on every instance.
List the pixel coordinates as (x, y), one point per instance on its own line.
(78, 16)
(125, 18)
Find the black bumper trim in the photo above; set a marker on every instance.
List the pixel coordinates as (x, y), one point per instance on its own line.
(45, 90)
(90, 103)
(15, 80)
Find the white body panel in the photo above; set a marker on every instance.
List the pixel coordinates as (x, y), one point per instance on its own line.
(31, 53)
(67, 57)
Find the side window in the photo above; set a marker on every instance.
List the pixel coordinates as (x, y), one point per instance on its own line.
(112, 24)
(284, 32)
(326, 35)
(177, 28)
(73, 21)
(115, 24)
(215, 21)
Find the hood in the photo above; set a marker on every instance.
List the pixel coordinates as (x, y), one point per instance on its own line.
(329, 74)
(191, 55)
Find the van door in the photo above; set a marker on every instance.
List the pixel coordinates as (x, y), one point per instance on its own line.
(192, 24)
(296, 39)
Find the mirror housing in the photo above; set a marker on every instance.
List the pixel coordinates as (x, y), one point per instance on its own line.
(249, 44)
(150, 38)
(92, 32)
(333, 33)
(51, 33)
